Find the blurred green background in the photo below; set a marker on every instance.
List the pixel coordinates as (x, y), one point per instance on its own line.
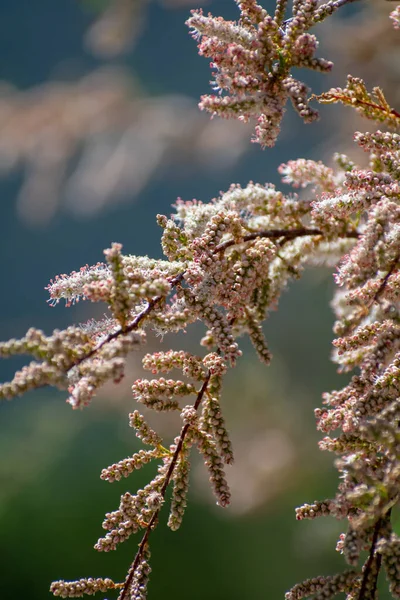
(99, 132)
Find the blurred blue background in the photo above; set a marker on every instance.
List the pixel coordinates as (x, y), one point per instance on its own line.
(99, 132)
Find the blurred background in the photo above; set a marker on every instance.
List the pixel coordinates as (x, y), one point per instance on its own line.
(99, 132)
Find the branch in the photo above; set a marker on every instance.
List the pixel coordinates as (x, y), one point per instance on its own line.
(385, 279)
(132, 326)
(368, 571)
(273, 234)
(287, 234)
(185, 428)
(358, 102)
(280, 235)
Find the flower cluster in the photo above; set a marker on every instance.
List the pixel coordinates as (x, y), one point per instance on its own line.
(323, 588)
(77, 589)
(373, 106)
(253, 59)
(368, 316)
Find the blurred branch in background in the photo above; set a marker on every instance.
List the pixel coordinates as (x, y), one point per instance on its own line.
(120, 24)
(87, 143)
(100, 139)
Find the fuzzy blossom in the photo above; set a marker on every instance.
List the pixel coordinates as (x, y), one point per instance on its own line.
(71, 287)
(390, 551)
(172, 317)
(138, 587)
(362, 336)
(189, 416)
(307, 588)
(174, 243)
(99, 329)
(215, 364)
(71, 344)
(143, 431)
(107, 364)
(214, 464)
(343, 582)
(120, 301)
(179, 493)
(63, 361)
(31, 377)
(163, 362)
(133, 514)
(82, 587)
(56, 355)
(248, 274)
(252, 61)
(379, 141)
(126, 466)
(343, 416)
(84, 389)
(213, 422)
(345, 443)
(121, 524)
(331, 211)
(302, 172)
(141, 276)
(217, 322)
(223, 256)
(320, 509)
(221, 223)
(258, 340)
(159, 393)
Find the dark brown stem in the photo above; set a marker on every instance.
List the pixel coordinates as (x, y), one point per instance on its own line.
(366, 580)
(274, 234)
(132, 326)
(385, 279)
(168, 477)
(287, 234)
(358, 102)
(377, 294)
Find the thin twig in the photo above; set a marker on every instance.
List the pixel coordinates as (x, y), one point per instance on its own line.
(357, 102)
(273, 234)
(369, 564)
(385, 279)
(168, 477)
(132, 326)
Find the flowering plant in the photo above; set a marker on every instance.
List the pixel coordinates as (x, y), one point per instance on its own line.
(226, 264)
